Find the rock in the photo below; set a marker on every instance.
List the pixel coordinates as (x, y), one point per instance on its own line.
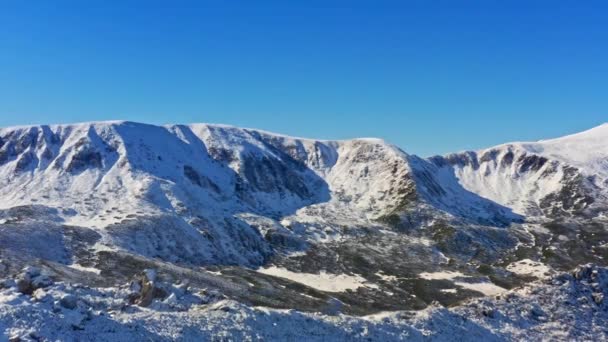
(146, 289)
(32, 271)
(334, 307)
(30, 279)
(183, 285)
(538, 314)
(536, 311)
(32, 336)
(225, 306)
(24, 285)
(584, 272)
(406, 315)
(488, 312)
(69, 301)
(598, 298)
(41, 281)
(210, 296)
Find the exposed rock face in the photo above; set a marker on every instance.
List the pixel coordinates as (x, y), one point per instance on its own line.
(199, 180)
(85, 158)
(24, 162)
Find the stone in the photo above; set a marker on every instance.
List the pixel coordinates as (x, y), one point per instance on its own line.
(69, 302)
(598, 298)
(146, 289)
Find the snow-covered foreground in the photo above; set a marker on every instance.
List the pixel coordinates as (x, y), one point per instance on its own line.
(564, 307)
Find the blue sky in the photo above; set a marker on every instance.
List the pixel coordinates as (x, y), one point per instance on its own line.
(429, 76)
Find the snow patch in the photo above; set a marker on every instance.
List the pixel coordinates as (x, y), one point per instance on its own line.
(441, 275)
(323, 281)
(487, 288)
(530, 267)
(85, 269)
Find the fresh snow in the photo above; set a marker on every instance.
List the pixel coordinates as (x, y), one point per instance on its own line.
(530, 267)
(522, 191)
(487, 288)
(586, 150)
(322, 281)
(85, 269)
(441, 275)
(563, 308)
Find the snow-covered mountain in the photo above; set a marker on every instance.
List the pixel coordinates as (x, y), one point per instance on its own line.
(561, 176)
(355, 226)
(89, 169)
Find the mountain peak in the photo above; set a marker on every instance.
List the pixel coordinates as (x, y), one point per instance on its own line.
(597, 132)
(587, 150)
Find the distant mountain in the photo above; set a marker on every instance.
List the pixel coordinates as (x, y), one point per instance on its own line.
(564, 176)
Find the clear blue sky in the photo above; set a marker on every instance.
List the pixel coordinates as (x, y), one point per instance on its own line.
(429, 76)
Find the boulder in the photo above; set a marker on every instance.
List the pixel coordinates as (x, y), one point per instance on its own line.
(145, 289)
(31, 279)
(598, 298)
(69, 301)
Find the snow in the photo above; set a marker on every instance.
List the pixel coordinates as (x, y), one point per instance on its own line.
(387, 277)
(142, 173)
(487, 288)
(86, 269)
(530, 267)
(522, 191)
(441, 275)
(586, 150)
(560, 309)
(139, 174)
(322, 281)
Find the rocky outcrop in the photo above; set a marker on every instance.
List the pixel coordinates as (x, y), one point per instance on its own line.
(32, 279)
(145, 289)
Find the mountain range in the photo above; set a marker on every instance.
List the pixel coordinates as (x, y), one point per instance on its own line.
(357, 227)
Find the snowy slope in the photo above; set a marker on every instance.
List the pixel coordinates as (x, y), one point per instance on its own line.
(549, 177)
(586, 150)
(201, 194)
(92, 169)
(564, 308)
(138, 165)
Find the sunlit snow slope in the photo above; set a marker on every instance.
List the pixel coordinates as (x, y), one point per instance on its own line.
(562, 176)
